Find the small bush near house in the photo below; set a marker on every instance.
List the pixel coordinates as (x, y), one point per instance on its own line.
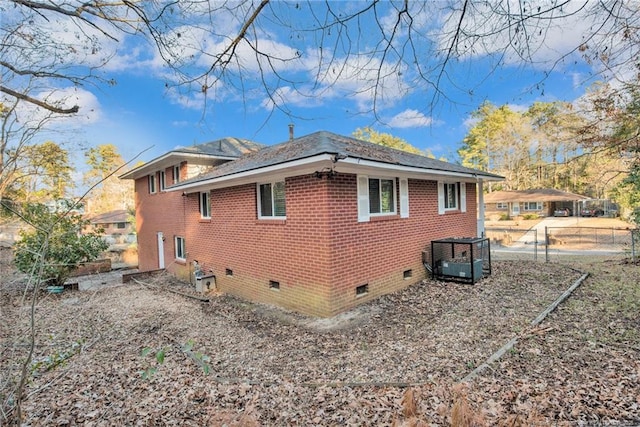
(530, 216)
(504, 217)
(55, 246)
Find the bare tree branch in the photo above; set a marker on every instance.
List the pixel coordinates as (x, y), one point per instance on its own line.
(39, 103)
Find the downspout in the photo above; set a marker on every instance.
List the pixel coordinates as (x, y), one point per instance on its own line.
(481, 211)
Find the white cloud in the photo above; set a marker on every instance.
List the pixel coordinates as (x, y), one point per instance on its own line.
(189, 99)
(489, 28)
(90, 110)
(470, 122)
(518, 108)
(363, 80)
(306, 97)
(410, 119)
(551, 37)
(577, 80)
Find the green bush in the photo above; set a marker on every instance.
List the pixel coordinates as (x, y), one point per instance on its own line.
(56, 245)
(530, 216)
(504, 217)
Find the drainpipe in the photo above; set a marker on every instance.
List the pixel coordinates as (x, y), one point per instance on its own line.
(480, 190)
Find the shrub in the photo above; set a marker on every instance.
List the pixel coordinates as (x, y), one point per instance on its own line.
(56, 245)
(530, 216)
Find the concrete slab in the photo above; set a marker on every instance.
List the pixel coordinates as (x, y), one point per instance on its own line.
(98, 280)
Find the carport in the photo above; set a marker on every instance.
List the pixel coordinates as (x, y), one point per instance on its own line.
(542, 202)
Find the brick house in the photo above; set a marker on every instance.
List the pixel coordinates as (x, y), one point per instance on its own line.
(540, 202)
(115, 225)
(317, 224)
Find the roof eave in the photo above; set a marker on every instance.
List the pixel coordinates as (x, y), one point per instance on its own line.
(168, 159)
(318, 162)
(358, 165)
(273, 172)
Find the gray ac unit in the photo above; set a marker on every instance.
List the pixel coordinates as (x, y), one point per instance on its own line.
(205, 283)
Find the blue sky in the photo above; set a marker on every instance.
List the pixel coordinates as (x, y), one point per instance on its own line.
(137, 114)
(140, 113)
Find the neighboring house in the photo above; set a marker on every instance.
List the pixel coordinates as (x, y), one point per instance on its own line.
(115, 225)
(318, 224)
(542, 202)
(119, 232)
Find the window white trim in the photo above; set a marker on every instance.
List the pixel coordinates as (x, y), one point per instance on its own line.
(537, 206)
(502, 205)
(460, 198)
(204, 202)
(152, 183)
(176, 174)
(273, 200)
(364, 199)
(179, 248)
(451, 196)
(393, 195)
(163, 181)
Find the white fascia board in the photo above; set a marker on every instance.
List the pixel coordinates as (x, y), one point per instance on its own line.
(169, 159)
(269, 173)
(369, 167)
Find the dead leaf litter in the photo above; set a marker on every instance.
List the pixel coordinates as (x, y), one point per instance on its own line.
(135, 355)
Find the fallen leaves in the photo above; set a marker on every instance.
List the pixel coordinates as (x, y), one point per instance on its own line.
(395, 361)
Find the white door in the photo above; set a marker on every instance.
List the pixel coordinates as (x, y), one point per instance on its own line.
(160, 250)
(515, 209)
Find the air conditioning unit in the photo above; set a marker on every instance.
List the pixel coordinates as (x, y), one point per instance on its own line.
(205, 283)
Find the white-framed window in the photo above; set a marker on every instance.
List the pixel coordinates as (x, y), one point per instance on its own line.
(452, 196)
(181, 254)
(205, 204)
(176, 174)
(532, 206)
(163, 181)
(502, 205)
(382, 196)
(271, 200)
(377, 197)
(451, 191)
(152, 183)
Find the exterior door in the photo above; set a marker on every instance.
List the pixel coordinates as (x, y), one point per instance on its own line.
(515, 209)
(160, 250)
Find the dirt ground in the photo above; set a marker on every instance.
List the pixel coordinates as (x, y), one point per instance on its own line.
(141, 355)
(602, 222)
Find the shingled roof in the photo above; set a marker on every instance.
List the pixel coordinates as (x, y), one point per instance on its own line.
(342, 150)
(223, 149)
(119, 215)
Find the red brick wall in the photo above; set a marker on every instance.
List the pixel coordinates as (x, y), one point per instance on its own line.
(319, 254)
(159, 212)
(292, 252)
(378, 252)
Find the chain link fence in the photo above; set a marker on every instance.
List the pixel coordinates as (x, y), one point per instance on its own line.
(563, 243)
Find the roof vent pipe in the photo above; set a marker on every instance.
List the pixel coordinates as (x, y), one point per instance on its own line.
(291, 131)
